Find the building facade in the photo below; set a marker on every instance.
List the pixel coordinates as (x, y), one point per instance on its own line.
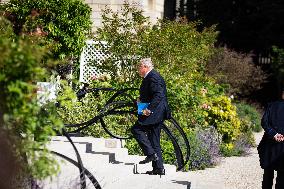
(152, 8)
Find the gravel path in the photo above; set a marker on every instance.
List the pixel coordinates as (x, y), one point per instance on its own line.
(231, 173)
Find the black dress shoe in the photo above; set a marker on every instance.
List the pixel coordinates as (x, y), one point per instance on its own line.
(149, 158)
(156, 172)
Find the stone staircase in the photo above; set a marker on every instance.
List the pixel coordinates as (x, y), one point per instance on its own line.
(112, 166)
(109, 162)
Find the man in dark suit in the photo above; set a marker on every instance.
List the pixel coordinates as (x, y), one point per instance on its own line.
(271, 147)
(148, 127)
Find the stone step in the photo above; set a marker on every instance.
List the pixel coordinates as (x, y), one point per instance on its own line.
(65, 147)
(97, 142)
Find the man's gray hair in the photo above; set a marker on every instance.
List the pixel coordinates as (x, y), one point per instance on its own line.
(147, 62)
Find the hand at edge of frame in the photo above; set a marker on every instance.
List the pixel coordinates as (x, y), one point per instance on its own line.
(279, 137)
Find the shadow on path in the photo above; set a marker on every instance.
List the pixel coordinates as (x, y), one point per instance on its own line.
(186, 183)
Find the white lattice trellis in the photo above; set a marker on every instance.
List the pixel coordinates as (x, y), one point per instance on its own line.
(91, 53)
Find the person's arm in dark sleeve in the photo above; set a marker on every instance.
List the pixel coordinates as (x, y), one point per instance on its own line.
(265, 123)
(157, 94)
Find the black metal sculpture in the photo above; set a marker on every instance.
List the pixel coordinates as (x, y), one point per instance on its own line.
(122, 103)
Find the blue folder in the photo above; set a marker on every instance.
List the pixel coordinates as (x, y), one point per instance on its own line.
(141, 106)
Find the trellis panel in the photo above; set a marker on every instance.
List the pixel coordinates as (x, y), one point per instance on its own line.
(91, 53)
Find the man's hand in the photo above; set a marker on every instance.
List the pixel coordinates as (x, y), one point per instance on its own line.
(279, 137)
(146, 112)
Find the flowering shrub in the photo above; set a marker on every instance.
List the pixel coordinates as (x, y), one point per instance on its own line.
(238, 147)
(205, 150)
(223, 116)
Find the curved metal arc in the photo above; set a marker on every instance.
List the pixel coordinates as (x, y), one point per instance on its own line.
(178, 152)
(118, 104)
(80, 163)
(108, 103)
(86, 172)
(82, 92)
(82, 125)
(121, 105)
(117, 93)
(101, 114)
(181, 131)
(110, 133)
(86, 123)
(123, 92)
(91, 90)
(114, 111)
(100, 89)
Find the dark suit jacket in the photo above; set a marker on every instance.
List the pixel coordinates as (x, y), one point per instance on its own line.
(271, 152)
(153, 91)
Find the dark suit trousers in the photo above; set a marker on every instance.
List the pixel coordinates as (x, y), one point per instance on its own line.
(268, 179)
(148, 137)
